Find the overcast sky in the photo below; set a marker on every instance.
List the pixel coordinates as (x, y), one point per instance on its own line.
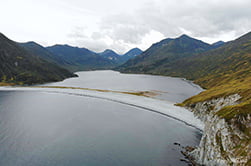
(122, 24)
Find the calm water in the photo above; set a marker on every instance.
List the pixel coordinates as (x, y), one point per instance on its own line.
(51, 129)
(171, 89)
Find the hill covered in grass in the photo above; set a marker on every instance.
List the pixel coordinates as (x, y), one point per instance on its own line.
(224, 70)
(18, 66)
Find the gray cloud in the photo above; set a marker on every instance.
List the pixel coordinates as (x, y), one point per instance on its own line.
(201, 18)
(210, 20)
(121, 25)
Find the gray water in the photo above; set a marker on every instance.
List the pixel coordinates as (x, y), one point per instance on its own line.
(169, 88)
(52, 129)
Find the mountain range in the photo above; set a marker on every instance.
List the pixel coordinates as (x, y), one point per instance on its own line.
(155, 59)
(221, 68)
(120, 59)
(30, 63)
(19, 66)
(79, 59)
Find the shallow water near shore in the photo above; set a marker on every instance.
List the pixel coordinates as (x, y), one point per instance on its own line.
(48, 129)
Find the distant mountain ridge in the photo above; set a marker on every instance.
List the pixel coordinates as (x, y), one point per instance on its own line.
(120, 58)
(78, 59)
(218, 44)
(19, 66)
(40, 51)
(132, 54)
(111, 55)
(164, 52)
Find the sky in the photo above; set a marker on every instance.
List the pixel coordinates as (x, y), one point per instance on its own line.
(122, 24)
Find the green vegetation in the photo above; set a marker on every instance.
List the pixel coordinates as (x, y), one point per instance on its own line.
(71, 58)
(228, 73)
(222, 71)
(155, 59)
(19, 66)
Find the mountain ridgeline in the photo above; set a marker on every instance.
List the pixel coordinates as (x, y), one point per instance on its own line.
(120, 59)
(18, 66)
(155, 59)
(30, 63)
(79, 59)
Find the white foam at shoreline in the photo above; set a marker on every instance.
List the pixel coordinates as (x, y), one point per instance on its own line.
(154, 105)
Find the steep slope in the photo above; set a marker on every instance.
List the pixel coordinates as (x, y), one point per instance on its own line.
(120, 59)
(76, 59)
(167, 51)
(111, 55)
(225, 106)
(19, 66)
(218, 66)
(131, 54)
(218, 44)
(42, 52)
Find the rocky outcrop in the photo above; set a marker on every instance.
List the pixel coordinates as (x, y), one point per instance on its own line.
(222, 143)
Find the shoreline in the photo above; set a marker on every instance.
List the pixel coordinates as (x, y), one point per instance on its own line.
(154, 105)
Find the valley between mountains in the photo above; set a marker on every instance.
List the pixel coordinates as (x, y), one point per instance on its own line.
(222, 69)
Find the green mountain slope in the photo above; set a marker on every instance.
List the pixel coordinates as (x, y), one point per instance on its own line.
(167, 51)
(20, 66)
(42, 52)
(217, 66)
(223, 71)
(76, 59)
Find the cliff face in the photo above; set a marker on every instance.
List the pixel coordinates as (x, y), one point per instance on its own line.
(223, 142)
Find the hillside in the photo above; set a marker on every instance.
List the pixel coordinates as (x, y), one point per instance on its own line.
(120, 59)
(132, 54)
(160, 54)
(42, 52)
(77, 59)
(19, 66)
(111, 55)
(223, 71)
(225, 105)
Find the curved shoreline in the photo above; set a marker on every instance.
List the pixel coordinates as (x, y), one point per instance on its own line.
(164, 108)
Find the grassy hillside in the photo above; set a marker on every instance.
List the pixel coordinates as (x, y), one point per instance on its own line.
(222, 71)
(18, 66)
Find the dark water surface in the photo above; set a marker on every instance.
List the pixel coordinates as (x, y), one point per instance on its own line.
(47, 129)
